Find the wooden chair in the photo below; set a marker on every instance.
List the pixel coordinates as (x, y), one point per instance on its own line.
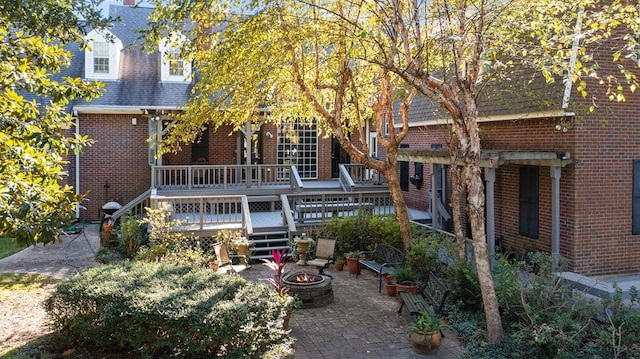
(224, 258)
(325, 255)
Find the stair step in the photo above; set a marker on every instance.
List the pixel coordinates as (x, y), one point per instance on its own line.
(267, 249)
(268, 240)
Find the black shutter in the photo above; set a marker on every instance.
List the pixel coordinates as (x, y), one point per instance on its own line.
(404, 172)
(528, 201)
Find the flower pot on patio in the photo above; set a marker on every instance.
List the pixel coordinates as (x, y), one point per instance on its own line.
(391, 288)
(353, 265)
(339, 266)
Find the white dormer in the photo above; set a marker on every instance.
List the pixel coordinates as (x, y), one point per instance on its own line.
(102, 55)
(173, 67)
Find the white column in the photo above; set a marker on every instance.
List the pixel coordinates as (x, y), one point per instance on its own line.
(490, 179)
(555, 216)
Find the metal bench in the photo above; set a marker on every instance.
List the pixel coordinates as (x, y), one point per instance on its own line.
(430, 301)
(383, 261)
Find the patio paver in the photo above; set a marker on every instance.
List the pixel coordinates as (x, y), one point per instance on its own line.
(360, 323)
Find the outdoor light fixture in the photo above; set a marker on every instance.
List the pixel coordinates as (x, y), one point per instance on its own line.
(562, 128)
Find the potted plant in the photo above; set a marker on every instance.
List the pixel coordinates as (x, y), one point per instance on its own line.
(353, 264)
(242, 245)
(339, 262)
(406, 280)
(425, 334)
(390, 285)
(288, 301)
(300, 246)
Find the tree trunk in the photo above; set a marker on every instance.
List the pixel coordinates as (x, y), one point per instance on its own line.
(457, 209)
(402, 214)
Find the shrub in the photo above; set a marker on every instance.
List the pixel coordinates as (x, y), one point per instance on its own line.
(130, 236)
(430, 253)
(164, 310)
(362, 232)
(168, 245)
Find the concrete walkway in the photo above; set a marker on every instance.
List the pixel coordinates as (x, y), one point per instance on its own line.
(360, 323)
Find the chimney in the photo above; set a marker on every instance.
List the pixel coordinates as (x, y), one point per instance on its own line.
(129, 2)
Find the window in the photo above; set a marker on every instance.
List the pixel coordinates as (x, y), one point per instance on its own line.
(176, 65)
(298, 145)
(635, 210)
(173, 66)
(528, 201)
(101, 57)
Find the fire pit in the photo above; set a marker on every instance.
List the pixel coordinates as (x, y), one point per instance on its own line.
(313, 290)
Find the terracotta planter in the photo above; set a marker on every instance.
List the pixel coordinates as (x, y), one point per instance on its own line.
(213, 266)
(426, 343)
(354, 266)
(411, 288)
(339, 266)
(391, 289)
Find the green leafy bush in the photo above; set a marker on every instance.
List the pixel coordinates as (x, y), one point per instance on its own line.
(164, 310)
(430, 252)
(362, 232)
(130, 236)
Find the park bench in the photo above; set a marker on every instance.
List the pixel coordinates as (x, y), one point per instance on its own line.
(383, 261)
(430, 301)
(322, 210)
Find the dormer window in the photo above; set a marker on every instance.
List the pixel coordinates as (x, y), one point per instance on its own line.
(176, 65)
(173, 66)
(102, 55)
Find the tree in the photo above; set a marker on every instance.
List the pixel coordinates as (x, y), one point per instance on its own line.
(33, 203)
(321, 58)
(286, 62)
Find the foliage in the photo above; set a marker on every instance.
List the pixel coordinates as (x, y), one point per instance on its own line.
(405, 275)
(130, 235)
(109, 255)
(8, 247)
(362, 232)
(430, 253)
(277, 265)
(168, 311)
(426, 323)
(33, 104)
(168, 245)
(353, 254)
(546, 318)
(24, 282)
(295, 256)
(231, 239)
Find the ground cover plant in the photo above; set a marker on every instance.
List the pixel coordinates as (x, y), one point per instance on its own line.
(162, 310)
(9, 247)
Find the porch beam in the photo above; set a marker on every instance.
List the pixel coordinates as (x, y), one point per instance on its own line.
(555, 216)
(490, 179)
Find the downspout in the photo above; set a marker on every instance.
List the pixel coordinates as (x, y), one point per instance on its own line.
(572, 61)
(77, 162)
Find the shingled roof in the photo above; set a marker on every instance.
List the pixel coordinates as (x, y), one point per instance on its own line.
(139, 83)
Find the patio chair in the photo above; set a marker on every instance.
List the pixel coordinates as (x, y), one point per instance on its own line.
(224, 258)
(325, 255)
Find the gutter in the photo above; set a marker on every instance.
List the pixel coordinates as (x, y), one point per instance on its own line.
(135, 110)
(77, 161)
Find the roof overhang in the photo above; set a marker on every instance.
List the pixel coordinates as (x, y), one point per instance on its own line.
(495, 118)
(122, 110)
(491, 158)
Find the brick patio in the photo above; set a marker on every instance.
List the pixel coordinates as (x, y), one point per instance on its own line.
(360, 323)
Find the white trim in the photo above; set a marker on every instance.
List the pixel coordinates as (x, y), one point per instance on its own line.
(167, 46)
(121, 110)
(115, 47)
(495, 118)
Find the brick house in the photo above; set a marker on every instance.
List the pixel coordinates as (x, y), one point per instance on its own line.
(141, 91)
(557, 178)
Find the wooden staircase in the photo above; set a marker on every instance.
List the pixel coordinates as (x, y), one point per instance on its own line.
(263, 242)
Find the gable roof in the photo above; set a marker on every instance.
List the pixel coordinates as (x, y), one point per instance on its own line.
(139, 85)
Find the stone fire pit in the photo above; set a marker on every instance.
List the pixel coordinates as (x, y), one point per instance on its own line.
(313, 290)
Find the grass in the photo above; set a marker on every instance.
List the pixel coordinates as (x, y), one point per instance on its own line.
(8, 247)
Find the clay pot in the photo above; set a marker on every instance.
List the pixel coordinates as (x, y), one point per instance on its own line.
(339, 266)
(426, 343)
(391, 289)
(354, 266)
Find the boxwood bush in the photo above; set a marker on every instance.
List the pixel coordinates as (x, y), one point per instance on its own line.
(162, 310)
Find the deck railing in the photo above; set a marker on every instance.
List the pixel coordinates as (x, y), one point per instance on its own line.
(136, 207)
(323, 206)
(224, 176)
(362, 175)
(200, 213)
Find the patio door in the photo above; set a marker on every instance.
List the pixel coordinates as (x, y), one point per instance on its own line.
(338, 156)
